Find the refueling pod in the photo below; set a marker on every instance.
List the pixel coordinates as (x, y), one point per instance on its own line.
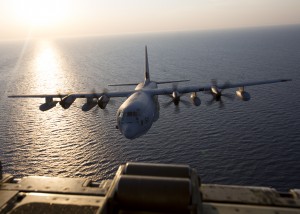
(49, 104)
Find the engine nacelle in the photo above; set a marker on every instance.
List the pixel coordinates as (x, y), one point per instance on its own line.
(67, 101)
(176, 97)
(195, 99)
(243, 95)
(103, 101)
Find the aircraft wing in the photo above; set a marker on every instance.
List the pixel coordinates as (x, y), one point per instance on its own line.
(66, 100)
(182, 90)
(236, 85)
(189, 89)
(38, 96)
(108, 94)
(78, 95)
(163, 91)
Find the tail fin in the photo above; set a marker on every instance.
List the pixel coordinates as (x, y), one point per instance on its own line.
(147, 75)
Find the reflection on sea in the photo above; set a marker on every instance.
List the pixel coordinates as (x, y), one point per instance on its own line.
(47, 66)
(48, 69)
(67, 135)
(45, 143)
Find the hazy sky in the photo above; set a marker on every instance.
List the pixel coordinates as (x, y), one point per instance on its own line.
(20, 18)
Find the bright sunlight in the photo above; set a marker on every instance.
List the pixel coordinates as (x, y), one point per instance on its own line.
(39, 13)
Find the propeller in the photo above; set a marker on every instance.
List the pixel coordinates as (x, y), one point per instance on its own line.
(105, 110)
(218, 93)
(176, 99)
(93, 101)
(111, 102)
(60, 96)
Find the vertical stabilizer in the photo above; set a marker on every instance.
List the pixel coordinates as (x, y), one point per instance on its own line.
(147, 75)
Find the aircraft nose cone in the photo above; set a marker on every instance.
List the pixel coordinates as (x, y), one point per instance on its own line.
(129, 132)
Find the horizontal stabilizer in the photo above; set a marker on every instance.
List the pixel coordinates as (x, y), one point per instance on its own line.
(172, 81)
(165, 82)
(125, 84)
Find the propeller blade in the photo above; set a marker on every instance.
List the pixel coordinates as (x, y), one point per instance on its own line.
(94, 93)
(186, 103)
(176, 98)
(217, 93)
(165, 105)
(226, 85)
(111, 102)
(175, 86)
(207, 92)
(209, 103)
(229, 96)
(168, 95)
(214, 82)
(60, 96)
(221, 104)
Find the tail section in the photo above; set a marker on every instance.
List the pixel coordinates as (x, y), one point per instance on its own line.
(147, 75)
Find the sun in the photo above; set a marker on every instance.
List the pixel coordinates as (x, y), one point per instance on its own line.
(40, 13)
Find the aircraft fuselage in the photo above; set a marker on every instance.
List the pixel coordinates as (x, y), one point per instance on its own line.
(137, 114)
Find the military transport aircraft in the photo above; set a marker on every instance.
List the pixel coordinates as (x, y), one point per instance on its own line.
(141, 108)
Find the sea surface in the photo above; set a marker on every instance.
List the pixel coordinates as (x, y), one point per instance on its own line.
(246, 143)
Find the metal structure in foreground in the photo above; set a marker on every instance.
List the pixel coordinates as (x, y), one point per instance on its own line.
(140, 188)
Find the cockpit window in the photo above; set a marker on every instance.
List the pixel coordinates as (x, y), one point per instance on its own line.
(131, 114)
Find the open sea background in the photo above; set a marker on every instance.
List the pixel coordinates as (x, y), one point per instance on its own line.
(246, 143)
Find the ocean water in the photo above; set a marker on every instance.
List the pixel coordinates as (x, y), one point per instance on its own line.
(246, 143)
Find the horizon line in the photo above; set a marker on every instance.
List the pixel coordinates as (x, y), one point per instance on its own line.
(30, 37)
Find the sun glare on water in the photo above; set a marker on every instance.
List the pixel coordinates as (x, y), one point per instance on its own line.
(39, 13)
(48, 67)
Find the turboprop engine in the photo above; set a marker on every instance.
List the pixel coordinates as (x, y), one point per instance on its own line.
(67, 101)
(103, 101)
(176, 98)
(195, 99)
(242, 94)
